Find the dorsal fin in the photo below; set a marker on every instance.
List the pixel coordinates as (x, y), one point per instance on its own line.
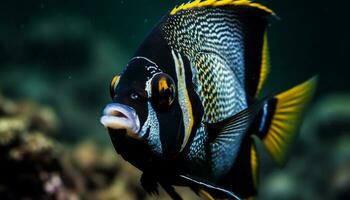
(253, 18)
(219, 3)
(229, 32)
(257, 61)
(256, 53)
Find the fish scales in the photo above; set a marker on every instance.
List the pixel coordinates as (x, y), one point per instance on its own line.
(213, 41)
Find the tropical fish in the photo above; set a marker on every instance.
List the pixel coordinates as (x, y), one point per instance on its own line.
(187, 110)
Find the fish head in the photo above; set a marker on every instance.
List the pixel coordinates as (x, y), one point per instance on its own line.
(145, 107)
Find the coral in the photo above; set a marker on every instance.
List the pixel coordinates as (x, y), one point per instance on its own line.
(36, 165)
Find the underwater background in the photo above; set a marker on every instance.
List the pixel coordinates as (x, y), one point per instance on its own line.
(58, 57)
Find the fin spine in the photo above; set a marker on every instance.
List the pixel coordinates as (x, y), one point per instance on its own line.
(218, 3)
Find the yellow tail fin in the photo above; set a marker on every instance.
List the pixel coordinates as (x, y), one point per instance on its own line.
(289, 106)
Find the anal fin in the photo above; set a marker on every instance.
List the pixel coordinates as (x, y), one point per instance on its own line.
(243, 176)
(254, 163)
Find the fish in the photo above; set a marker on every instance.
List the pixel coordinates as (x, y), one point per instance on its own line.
(187, 109)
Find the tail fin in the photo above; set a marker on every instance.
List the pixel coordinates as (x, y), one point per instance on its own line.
(280, 118)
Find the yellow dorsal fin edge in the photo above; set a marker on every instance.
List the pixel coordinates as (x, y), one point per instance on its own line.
(265, 65)
(290, 106)
(217, 3)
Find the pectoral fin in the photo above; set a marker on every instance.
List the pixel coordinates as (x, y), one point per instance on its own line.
(237, 124)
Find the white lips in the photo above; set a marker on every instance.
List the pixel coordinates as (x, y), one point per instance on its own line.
(119, 116)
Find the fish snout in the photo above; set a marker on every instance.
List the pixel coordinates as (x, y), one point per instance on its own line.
(121, 117)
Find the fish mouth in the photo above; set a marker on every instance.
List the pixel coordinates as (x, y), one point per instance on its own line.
(121, 117)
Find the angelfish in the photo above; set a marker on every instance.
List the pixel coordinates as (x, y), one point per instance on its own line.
(186, 109)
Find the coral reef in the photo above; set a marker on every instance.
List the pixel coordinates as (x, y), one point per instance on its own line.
(35, 164)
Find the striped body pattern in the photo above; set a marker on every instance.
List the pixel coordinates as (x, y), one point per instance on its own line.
(213, 41)
(186, 107)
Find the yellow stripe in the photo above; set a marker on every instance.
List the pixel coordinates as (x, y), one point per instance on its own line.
(189, 129)
(115, 81)
(182, 89)
(264, 69)
(254, 163)
(205, 195)
(218, 3)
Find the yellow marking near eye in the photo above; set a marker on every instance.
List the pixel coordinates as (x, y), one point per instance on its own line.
(162, 84)
(115, 81)
(218, 3)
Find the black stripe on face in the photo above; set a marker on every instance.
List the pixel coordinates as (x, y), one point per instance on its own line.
(170, 120)
(171, 129)
(133, 81)
(171, 124)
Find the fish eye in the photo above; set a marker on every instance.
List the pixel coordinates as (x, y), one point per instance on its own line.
(134, 96)
(113, 85)
(163, 91)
